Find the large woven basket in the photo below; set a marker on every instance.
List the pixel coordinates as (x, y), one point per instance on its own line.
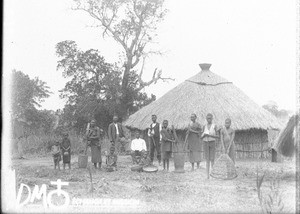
(224, 168)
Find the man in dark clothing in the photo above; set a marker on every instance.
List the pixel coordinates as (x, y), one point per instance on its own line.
(155, 137)
(115, 132)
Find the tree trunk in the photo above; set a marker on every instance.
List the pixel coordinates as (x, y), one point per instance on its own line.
(274, 156)
(125, 93)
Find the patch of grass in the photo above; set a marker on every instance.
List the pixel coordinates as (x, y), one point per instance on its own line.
(147, 188)
(271, 200)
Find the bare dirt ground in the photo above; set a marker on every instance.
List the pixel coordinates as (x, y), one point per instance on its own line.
(163, 191)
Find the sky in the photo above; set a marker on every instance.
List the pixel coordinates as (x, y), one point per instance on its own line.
(250, 43)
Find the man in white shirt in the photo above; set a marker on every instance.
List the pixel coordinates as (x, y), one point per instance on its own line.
(138, 147)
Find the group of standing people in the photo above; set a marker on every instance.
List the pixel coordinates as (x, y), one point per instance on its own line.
(63, 150)
(199, 140)
(95, 135)
(204, 138)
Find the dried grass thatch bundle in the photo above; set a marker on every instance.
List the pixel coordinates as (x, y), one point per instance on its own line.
(205, 93)
(286, 142)
(224, 168)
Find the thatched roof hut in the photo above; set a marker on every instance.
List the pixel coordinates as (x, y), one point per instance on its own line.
(286, 143)
(207, 92)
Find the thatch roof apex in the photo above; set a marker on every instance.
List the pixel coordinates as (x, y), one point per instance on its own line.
(205, 66)
(205, 92)
(206, 77)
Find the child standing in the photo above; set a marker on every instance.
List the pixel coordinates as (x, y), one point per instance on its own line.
(227, 137)
(166, 144)
(66, 150)
(111, 160)
(55, 150)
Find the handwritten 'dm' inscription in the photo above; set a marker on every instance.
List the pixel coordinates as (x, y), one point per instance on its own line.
(41, 194)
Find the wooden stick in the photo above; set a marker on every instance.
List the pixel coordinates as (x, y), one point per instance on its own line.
(91, 180)
(228, 147)
(86, 147)
(185, 141)
(150, 145)
(176, 138)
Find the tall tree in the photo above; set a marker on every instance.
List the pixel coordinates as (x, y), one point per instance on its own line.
(94, 86)
(27, 93)
(273, 108)
(133, 25)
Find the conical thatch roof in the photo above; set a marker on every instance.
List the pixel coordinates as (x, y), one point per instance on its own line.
(286, 144)
(204, 93)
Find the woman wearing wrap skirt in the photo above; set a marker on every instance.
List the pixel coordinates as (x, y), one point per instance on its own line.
(93, 137)
(194, 141)
(166, 144)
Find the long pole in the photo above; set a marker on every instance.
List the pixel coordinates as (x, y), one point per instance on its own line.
(176, 138)
(86, 138)
(86, 147)
(185, 141)
(150, 146)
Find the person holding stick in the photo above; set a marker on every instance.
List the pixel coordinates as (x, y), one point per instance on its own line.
(209, 136)
(194, 141)
(227, 135)
(93, 135)
(154, 134)
(167, 139)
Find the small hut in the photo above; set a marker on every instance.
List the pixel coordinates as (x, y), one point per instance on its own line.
(207, 92)
(286, 142)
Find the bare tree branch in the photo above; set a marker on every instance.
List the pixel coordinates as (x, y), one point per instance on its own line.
(105, 25)
(155, 77)
(142, 70)
(109, 24)
(132, 24)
